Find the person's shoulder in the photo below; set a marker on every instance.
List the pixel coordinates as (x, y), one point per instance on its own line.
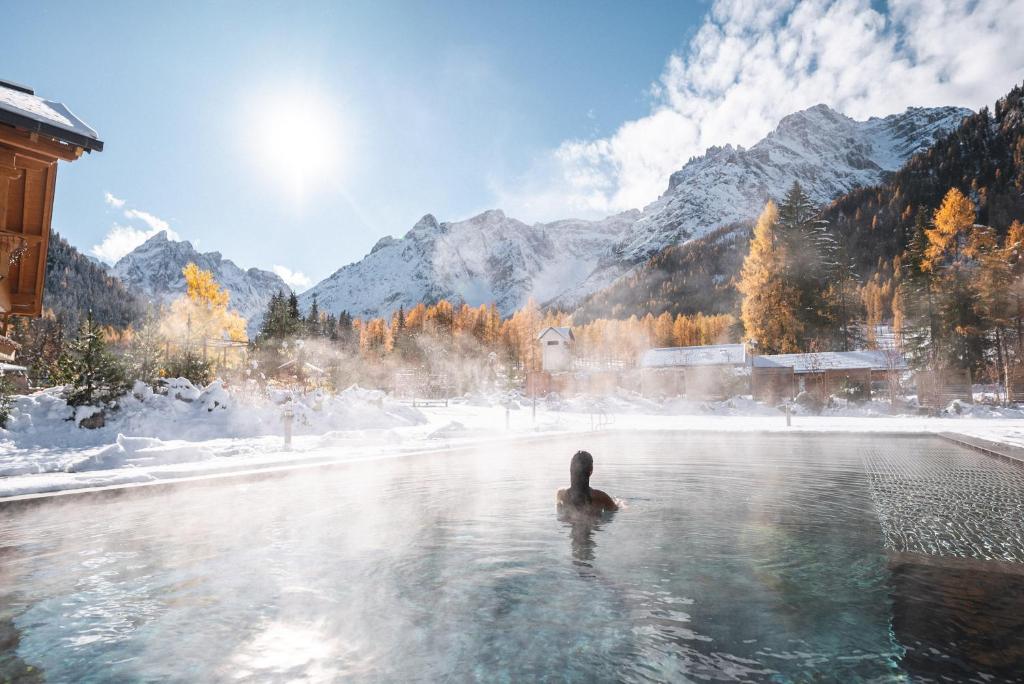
(602, 498)
(561, 494)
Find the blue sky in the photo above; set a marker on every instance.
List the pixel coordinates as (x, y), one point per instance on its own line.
(545, 109)
(434, 103)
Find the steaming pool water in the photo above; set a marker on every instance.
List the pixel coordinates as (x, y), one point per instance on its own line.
(738, 558)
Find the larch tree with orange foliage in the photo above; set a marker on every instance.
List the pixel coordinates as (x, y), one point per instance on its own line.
(769, 300)
(952, 256)
(950, 233)
(202, 314)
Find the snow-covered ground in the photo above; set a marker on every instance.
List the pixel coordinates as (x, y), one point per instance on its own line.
(188, 432)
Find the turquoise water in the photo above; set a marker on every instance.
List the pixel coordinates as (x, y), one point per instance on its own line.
(740, 558)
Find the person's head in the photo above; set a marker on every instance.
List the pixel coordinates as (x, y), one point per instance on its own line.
(580, 469)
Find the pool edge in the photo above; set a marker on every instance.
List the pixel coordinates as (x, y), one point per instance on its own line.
(1000, 450)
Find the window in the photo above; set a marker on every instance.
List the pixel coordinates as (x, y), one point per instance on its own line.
(552, 342)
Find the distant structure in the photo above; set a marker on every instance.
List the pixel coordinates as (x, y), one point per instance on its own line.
(34, 134)
(16, 375)
(700, 373)
(783, 376)
(563, 372)
(558, 347)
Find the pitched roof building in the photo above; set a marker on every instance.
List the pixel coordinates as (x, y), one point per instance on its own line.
(35, 133)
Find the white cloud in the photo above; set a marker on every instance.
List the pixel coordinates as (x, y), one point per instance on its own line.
(294, 279)
(121, 239)
(155, 223)
(753, 62)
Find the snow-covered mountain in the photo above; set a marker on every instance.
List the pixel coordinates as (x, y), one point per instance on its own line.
(492, 257)
(154, 268)
(827, 152)
(488, 258)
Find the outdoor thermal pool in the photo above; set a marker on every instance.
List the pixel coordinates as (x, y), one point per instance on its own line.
(780, 558)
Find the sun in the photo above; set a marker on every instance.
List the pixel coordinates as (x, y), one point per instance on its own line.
(296, 139)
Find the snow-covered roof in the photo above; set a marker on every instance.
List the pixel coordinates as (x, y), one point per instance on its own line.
(871, 359)
(563, 332)
(708, 355)
(22, 108)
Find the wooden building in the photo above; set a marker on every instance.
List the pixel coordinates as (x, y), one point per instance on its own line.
(35, 133)
(700, 373)
(778, 377)
(16, 375)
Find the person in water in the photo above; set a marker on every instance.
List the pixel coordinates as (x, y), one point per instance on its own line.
(579, 497)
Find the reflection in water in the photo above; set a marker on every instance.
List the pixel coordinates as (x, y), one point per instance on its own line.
(583, 545)
(956, 615)
(581, 533)
(12, 667)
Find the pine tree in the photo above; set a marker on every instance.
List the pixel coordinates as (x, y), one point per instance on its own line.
(810, 258)
(921, 331)
(294, 315)
(7, 391)
(191, 366)
(992, 284)
(312, 327)
(1013, 246)
(401, 339)
(346, 334)
(145, 356)
(843, 303)
(270, 327)
(93, 375)
(769, 303)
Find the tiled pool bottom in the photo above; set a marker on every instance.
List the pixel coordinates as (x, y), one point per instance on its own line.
(935, 499)
(740, 558)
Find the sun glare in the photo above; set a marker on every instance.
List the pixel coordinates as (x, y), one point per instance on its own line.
(296, 140)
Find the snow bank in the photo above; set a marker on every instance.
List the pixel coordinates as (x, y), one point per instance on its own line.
(183, 430)
(176, 425)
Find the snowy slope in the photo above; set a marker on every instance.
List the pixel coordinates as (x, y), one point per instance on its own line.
(488, 258)
(492, 257)
(154, 268)
(827, 152)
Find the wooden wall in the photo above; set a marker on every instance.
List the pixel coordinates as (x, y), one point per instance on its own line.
(27, 181)
(772, 384)
(935, 389)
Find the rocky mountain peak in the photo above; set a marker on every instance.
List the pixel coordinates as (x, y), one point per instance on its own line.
(828, 152)
(154, 269)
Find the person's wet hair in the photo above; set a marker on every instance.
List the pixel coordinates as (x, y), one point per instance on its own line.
(580, 468)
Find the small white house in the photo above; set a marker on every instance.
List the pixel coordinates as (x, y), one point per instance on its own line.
(556, 348)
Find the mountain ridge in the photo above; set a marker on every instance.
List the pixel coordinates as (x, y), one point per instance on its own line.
(154, 269)
(493, 257)
(981, 157)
